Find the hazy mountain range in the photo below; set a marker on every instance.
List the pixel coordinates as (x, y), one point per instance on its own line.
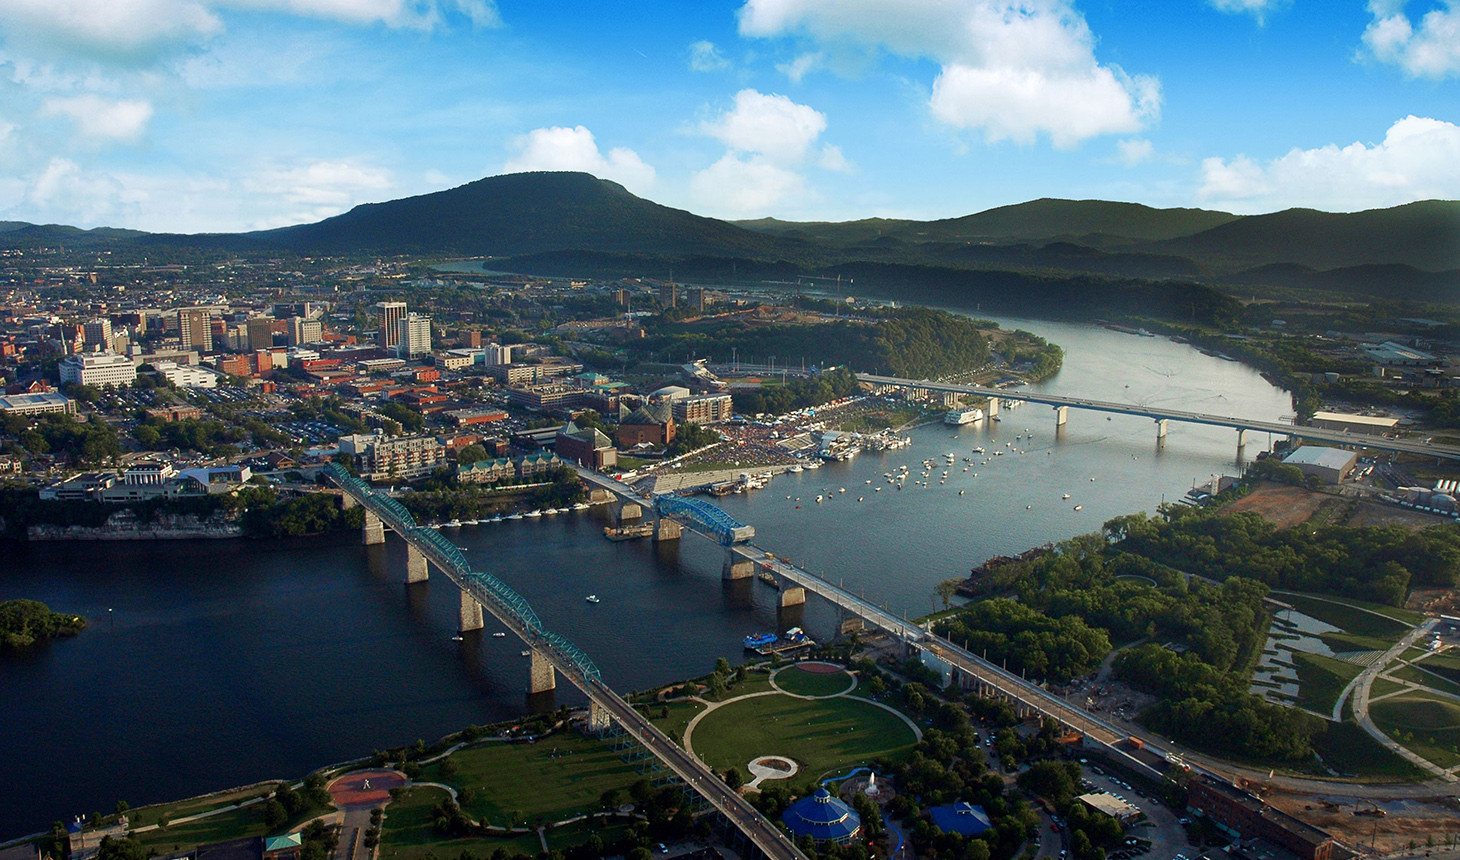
(556, 222)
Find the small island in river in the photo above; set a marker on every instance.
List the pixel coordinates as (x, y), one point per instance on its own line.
(24, 622)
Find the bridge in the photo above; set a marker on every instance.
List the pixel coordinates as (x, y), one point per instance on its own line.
(1163, 417)
(552, 655)
(744, 560)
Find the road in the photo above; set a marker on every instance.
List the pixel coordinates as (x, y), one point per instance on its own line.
(1448, 452)
(1361, 701)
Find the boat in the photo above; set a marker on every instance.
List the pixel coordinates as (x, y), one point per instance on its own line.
(813, 464)
(533, 514)
(1065, 496)
(527, 653)
(470, 522)
(552, 512)
(757, 641)
(796, 469)
(592, 598)
(499, 635)
(642, 530)
(516, 516)
(959, 417)
(453, 524)
(1079, 507)
(497, 519)
(456, 638)
(580, 506)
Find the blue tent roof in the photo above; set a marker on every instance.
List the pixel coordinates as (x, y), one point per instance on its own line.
(822, 817)
(964, 819)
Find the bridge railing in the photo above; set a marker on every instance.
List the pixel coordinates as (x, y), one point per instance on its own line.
(726, 529)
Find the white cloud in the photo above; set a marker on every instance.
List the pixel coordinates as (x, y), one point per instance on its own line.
(317, 190)
(742, 185)
(62, 191)
(1013, 69)
(772, 125)
(1431, 51)
(705, 57)
(98, 117)
(833, 159)
(1418, 159)
(560, 148)
(802, 66)
(1257, 8)
(121, 28)
(1134, 151)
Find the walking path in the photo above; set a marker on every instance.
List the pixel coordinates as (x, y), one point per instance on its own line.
(1365, 681)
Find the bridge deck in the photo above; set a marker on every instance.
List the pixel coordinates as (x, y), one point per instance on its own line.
(1404, 446)
(577, 670)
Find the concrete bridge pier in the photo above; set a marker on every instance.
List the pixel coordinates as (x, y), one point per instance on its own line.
(1061, 415)
(736, 566)
(416, 569)
(791, 595)
(666, 530)
(373, 531)
(1241, 446)
(993, 407)
(471, 613)
(598, 717)
(347, 501)
(1161, 425)
(629, 511)
(540, 675)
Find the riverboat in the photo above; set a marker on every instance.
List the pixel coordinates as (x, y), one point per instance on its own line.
(641, 530)
(959, 417)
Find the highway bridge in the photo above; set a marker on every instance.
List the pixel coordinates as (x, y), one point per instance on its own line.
(743, 560)
(553, 655)
(1162, 416)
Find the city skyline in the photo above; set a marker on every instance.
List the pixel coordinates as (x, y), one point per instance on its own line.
(222, 115)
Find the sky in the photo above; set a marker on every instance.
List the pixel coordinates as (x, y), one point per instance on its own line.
(230, 115)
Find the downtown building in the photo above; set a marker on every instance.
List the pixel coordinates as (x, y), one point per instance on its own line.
(98, 368)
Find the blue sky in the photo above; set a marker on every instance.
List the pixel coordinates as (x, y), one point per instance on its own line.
(202, 115)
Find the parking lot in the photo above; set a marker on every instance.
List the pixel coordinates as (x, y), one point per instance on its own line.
(1162, 827)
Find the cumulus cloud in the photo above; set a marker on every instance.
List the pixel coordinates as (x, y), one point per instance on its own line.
(1256, 8)
(1134, 151)
(705, 57)
(769, 137)
(1418, 159)
(120, 28)
(560, 148)
(1012, 69)
(1431, 50)
(316, 190)
(801, 66)
(101, 118)
(742, 183)
(772, 125)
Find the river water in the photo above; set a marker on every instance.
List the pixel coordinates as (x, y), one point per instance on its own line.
(213, 664)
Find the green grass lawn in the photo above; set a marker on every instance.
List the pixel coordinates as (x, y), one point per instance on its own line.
(802, 683)
(680, 713)
(1349, 750)
(407, 833)
(1426, 724)
(192, 806)
(1383, 687)
(557, 777)
(1352, 619)
(1321, 680)
(1304, 601)
(1415, 675)
(627, 462)
(233, 824)
(821, 735)
(1354, 642)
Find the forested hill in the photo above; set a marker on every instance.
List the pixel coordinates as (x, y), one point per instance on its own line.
(525, 213)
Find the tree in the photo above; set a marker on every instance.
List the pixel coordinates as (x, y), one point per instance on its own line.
(471, 454)
(946, 589)
(733, 777)
(977, 850)
(609, 799)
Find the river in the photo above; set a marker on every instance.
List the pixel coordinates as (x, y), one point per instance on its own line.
(213, 664)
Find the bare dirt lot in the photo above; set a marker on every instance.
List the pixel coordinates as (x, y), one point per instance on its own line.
(1404, 820)
(1280, 505)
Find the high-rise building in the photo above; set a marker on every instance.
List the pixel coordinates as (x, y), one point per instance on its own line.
(667, 295)
(414, 336)
(260, 333)
(98, 368)
(498, 354)
(387, 317)
(98, 332)
(195, 329)
(302, 331)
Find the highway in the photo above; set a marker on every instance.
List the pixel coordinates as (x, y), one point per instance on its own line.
(1317, 434)
(574, 666)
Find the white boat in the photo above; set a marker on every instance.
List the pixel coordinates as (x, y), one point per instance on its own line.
(959, 417)
(497, 519)
(580, 506)
(813, 464)
(516, 516)
(1065, 496)
(533, 514)
(592, 598)
(842, 490)
(550, 511)
(527, 653)
(796, 469)
(453, 524)
(456, 638)
(499, 635)
(1079, 507)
